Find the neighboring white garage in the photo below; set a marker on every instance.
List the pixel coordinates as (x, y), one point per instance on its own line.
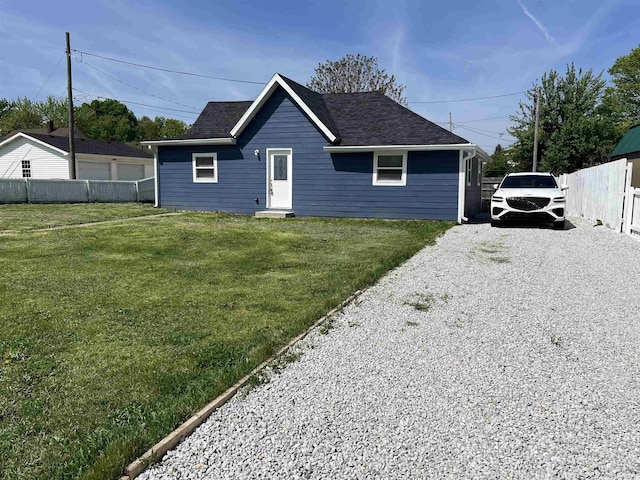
(94, 171)
(44, 154)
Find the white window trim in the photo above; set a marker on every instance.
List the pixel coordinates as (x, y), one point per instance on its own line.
(468, 167)
(388, 183)
(215, 167)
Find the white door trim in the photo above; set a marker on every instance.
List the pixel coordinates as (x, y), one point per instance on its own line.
(289, 193)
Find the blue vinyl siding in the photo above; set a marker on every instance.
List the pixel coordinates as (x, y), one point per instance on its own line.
(333, 185)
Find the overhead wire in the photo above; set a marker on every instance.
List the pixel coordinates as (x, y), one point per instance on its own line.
(508, 139)
(473, 99)
(80, 60)
(49, 77)
(130, 102)
(168, 69)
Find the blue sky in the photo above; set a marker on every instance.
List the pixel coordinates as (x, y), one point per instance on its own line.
(452, 50)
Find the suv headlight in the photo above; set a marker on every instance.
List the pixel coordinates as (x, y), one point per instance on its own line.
(559, 199)
(497, 199)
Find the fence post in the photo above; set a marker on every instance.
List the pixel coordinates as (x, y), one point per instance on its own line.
(28, 185)
(88, 192)
(627, 210)
(138, 191)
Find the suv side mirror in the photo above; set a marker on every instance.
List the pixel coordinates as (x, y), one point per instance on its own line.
(495, 186)
(564, 186)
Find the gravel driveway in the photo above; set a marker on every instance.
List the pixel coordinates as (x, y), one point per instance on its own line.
(498, 353)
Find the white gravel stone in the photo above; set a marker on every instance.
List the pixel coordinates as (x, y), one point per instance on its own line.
(497, 353)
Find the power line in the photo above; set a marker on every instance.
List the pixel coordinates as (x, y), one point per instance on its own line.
(136, 103)
(484, 134)
(473, 99)
(167, 69)
(483, 119)
(49, 77)
(134, 87)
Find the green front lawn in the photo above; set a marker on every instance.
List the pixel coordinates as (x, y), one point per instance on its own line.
(29, 216)
(112, 335)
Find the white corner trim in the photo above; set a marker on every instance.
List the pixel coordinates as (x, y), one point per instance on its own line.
(409, 148)
(29, 137)
(213, 179)
(156, 180)
(403, 178)
(461, 186)
(191, 141)
(276, 81)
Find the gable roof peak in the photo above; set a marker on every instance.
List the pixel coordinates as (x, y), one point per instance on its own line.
(310, 102)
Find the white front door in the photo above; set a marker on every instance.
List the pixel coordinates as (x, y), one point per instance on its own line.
(279, 181)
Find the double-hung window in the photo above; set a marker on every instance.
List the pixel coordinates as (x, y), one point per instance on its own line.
(205, 167)
(390, 168)
(26, 168)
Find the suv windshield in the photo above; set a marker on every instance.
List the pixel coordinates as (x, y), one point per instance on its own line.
(529, 181)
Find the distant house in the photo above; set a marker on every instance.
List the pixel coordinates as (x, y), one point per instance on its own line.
(45, 154)
(629, 148)
(295, 151)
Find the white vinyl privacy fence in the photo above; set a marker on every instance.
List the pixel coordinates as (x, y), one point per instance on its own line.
(28, 190)
(598, 193)
(605, 193)
(632, 206)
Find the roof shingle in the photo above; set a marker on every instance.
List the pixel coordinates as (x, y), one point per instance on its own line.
(356, 119)
(91, 147)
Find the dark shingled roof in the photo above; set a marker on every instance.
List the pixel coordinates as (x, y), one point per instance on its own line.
(356, 119)
(315, 102)
(630, 143)
(91, 146)
(371, 118)
(58, 132)
(217, 119)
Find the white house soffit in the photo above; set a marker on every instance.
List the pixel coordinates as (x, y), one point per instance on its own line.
(257, 104)
(191, 141)
(369, 148)
(40, 142)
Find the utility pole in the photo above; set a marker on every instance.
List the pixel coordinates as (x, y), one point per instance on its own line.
(450, 123)
(535, 132)
(72, 143)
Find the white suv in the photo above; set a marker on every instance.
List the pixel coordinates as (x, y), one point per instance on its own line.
(529, 196)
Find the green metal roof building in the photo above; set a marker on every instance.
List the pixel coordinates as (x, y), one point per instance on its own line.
(629, 146)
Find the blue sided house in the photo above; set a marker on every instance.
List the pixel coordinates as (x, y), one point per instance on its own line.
(295, 151)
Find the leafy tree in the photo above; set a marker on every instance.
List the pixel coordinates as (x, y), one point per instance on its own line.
(576, 129)
(107, 120)
(160, 128)
(54, 109)
(21, 113)
(357, 73)
(624, 98)
(500, 164)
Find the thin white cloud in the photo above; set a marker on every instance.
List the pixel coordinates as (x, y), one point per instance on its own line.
(539, 24)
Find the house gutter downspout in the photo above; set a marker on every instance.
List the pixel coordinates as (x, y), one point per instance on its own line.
(462, 182)
(156, 180)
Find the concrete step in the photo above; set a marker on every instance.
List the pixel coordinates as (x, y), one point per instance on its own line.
(275, 214)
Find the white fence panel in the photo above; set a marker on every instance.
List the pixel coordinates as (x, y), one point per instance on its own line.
(147, 190)
(632, 226)
(597, 193)
(28, 190)
(13, 190)
(112, 191)
(57, 191)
